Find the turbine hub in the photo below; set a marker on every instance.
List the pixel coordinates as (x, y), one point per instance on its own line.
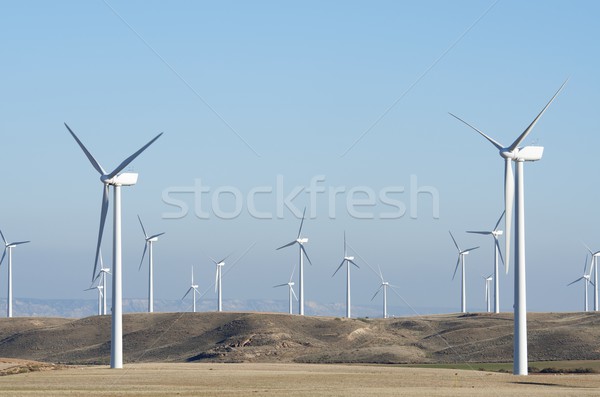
(302, 240)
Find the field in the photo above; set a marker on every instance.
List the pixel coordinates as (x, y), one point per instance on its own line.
(202, 379)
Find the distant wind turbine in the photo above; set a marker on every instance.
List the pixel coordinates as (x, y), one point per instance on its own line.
(461, 261)
(488, 288)
(219, 281)
(148, 245)
(102, 275)
(382, 287)
(594, 269)
(291, 293)
(495, 233)
(300, 241)
(347, 260)
(8, 247)
(100, 290)
(194, 290)
(512, 186)
(115, 180)
(586, 278)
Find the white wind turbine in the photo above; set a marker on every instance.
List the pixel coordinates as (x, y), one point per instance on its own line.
(594, 269)
(194, 289)
(495, 233)
(148, 246)
(461, 261)
(347, 260)
(8, 247)
(218, 281)
(383, 287)
(100, 290)
(115, 180)
(512, 186)
(300, 241)
(291, 293)
(586, 280)
(488, 288)
(102, 275)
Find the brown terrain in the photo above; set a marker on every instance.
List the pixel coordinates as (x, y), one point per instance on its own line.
(281, 338)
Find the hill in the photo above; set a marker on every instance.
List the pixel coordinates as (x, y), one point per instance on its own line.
(270, 337)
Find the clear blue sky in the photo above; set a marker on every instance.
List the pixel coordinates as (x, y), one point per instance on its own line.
(298, 84)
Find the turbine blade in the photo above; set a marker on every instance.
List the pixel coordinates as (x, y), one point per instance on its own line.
(293, 293)
(3, 239)
(20, 242)
(377, 292)
(301, 223)
(453, 239)
(287, 245)
(493, 142)
(293, 270)
(573, 282)
(143, 229)
(499, 251)
(380, 274)
(143, 255)
(91, 158)
(476, 232)
(186, 294)
(588, 248)
(470, 249)
(3, 255)
(338, 268)
(509, 197)
(103, 212)
(129, 159)
(344, 243)
(280, 285)
(305, 254)
(585, 265)
(521, 137)
(499, 219)
(216, 278)
(456, 268)
(156, 235)
(354, 263)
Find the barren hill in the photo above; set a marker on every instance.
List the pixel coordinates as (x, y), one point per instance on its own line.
(270, 337)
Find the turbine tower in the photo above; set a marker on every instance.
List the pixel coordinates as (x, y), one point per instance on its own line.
(382, 287)
(512, 186)
(488, 288)
(300, 241)
(115, 180)
(461, 261)
(495, 233)
(194, 289)
(586, 280)
(291, 293)
(594, 269)
(148, 245)
(9, 247)
(347, 260)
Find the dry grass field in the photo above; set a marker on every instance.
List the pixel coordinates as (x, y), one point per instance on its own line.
(261, 379)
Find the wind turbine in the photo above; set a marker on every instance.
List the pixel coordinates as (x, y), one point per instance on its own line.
(290, 285)
(102, 275)
(495, 233)
(586, 280)
(218, 281)
(194, 289)
(461, 261)
(300, 241)
(488, 301)
(347, 260)
(100, 289)
(148, 245)
(382, 287)
(8, 247)
(594, 268)
(512, 186)
(115, 180)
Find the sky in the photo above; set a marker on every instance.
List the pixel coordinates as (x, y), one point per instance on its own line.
(259, 100)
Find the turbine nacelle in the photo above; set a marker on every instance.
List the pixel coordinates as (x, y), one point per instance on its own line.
(527, 153)
(124, 179)
(152, 239)
(302, 240)
(348, 258)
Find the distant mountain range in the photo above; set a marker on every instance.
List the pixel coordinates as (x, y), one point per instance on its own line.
(79, 308)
